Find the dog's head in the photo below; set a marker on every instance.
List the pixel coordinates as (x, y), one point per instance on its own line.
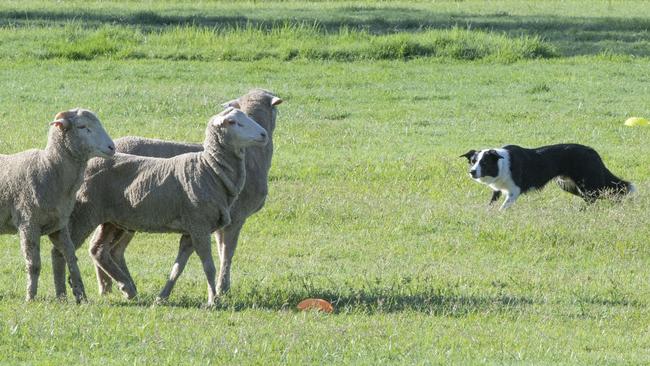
(483, 164)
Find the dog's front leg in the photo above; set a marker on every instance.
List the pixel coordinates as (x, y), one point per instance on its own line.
(495, 196)
(511, 197)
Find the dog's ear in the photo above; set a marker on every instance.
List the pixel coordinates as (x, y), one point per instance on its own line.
(468, 155)
(495, 154)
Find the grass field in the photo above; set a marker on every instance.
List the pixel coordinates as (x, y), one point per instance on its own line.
(370, 206)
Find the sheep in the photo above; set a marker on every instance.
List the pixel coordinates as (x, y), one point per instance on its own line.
(257, 103)
(189, 194)
(38, 188)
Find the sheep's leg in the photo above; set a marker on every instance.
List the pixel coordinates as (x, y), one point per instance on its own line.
(227, 239)
(118, 247)
(61, 240)
(58, 271)
(118, 240)
(185, 250)
(30, 246)
(80, 226)
(104, 281)
(201, 243)
(100, 252)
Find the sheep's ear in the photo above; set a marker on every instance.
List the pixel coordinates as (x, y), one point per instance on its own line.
(217, 120)
(468, 154)
(275, 101)
(220, 121)
(233, 103)
(61, 120)
(226, 111)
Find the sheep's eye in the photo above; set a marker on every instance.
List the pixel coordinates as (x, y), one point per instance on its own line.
(231, 122)
(81, 127)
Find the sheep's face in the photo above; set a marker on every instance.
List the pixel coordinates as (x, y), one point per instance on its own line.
(238, 129)
(84, 133)
(260, 105)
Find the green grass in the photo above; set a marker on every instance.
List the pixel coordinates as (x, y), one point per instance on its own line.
(572, 27)
(249, 43)
(370, 206)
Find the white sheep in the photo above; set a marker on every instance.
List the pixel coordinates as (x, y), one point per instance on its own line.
(261, 106)
(38, 188)
(189, 194)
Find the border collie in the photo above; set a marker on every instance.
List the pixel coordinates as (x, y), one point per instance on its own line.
(514, 170)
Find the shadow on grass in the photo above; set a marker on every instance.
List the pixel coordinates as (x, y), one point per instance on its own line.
(357, 302)
(571, 35)
(376, 295)
(362, 296)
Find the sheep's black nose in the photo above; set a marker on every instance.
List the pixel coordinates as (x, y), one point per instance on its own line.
(263, 134)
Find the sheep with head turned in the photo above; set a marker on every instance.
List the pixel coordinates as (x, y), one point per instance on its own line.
(38, 189)
(189, 194)
(261, 105)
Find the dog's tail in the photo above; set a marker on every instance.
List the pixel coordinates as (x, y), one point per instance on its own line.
(618, 186)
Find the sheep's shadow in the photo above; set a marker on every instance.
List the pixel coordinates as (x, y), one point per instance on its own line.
(357, 302)
(381, 299)
(571, 35)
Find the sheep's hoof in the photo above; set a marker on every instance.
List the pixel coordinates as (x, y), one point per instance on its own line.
(80, 298)
(128, 292)
(160, 301)
(79, 294)
(209, 306)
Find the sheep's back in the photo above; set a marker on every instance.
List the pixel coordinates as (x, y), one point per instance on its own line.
(154, 147)
(152, 194)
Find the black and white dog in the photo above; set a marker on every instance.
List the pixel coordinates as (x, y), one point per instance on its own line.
(514, 170)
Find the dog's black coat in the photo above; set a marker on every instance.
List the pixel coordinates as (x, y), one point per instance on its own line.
(533, 168)
(579, 170)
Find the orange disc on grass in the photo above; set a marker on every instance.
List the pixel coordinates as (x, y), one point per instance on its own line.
(316, 304)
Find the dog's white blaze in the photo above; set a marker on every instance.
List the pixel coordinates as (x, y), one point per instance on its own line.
(503, 181)
(477, 166)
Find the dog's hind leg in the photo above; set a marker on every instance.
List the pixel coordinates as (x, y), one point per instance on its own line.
(568, 185)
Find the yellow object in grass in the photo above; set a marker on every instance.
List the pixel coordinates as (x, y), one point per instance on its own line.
(636, 121)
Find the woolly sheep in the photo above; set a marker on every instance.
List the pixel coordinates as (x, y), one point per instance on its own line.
(189, 194)
(38, 188)
(261, 106)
